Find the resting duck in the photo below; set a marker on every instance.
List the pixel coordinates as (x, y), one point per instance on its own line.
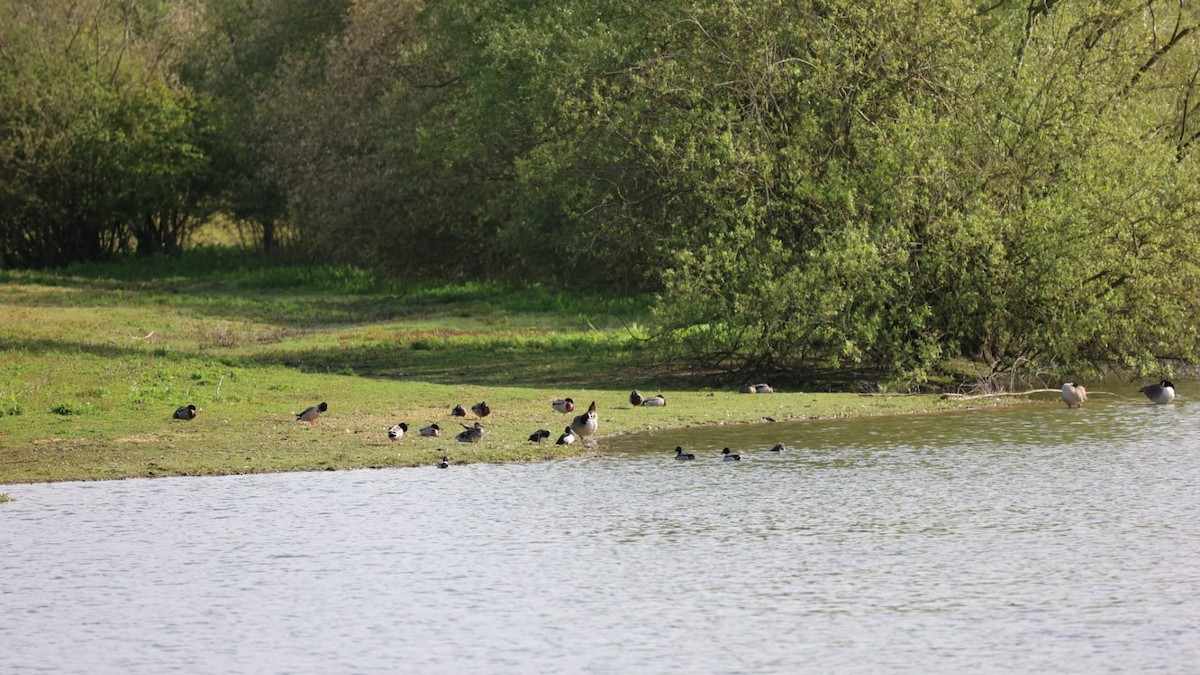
(187, 412)
(1161, 393)
(567, 438)
(729, 456)
(482, 409)
(431, 430)
(312, 413)
(397, 432)
(1074, 395)
(540, 435)
(585, 425)
(659, 400)
(763, 389)
(470, 434)
(681, 455)
(563, 405)
(444, 464)
(458, 411)
(635, 399)
(748, 389)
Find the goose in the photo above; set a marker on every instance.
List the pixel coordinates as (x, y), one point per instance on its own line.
(187, 412)
(1074, 395)
(778, 447)
(635, 399)
(680, 455)
(431, 430)
(567, 438)
(444, 464)
(540, 435)
(312, 413)
(397, 431)
(458, 411)
(585, 425)
(470, 434)
(659, 400)
(563, 405)
(1161, 393)
(729, 456)
(482, 409)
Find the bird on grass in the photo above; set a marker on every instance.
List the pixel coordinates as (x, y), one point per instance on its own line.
(585, 425)
(1161, 393)
(444, 464)
(431, 430)
(458, 411)
(470, 434)
(747, 389)
(1074, 395)
(659, 400)
(397, 431)
(567, 438)
(563, 405)
(681, 455)
(540, 435)
(727, 456)
(188, 412)
(482, 409)
(763, 389)
(635, 399)
(312, 413)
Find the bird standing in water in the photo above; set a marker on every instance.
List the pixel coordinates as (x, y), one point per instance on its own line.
(1161, 393)
(1074, 395)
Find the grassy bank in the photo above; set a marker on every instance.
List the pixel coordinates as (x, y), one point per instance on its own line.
(98, 357)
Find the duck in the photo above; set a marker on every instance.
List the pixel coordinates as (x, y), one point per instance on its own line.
(585, 425)
(763, 389)
(470, 434)
(540, 435)
(778, 447)
(444, 464)
(659, 400)
(567, 438)
(747, 389)
(397, 431)
(1161, 393)
(729, 456)
(312, 413)
(563, 405)
(482, 409)
(635, 399)
(681, 455)
(458, 411)
(1074, 395)
(188, 412)
(431, 430)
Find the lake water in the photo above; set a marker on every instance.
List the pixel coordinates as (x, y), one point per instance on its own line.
(1036, 539)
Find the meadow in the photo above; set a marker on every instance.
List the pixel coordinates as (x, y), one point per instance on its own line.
(98, 356)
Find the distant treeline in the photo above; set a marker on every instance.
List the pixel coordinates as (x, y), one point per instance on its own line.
(881, 185)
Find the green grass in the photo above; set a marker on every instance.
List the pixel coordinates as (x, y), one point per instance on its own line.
(97, 357)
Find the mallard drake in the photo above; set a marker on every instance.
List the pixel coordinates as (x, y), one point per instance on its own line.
(540, 435)
(188, 412)
(1074, 395)
(763, 389)
(585, 425)
(563, 405)
(729, 456)
(458, 411)
(482, 409)
(470, 434)
(567, 438)
(778, 447)
(431, 430)
(659, 400)
(444, 464)
(397, 431)
(635, 399)
(681, 455)
(312, 413)
(1161, 393)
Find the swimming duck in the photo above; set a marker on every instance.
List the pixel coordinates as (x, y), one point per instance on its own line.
(444, 464)
(1074, 395)
(635, 399)
(1161, 393)
(431, 430)
(458, 411)
(763, 389)
(778, 447)
(567, 438)
(312, 413)
(729, 456)
(397, 432)
(187, 412)
(540, 435)
(659, 400)
(470, 434)
(681, 455)
(563, 405)
(585, 425)
(482, 409)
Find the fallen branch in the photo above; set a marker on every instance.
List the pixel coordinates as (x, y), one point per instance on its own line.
(144, 337)
(964, 397)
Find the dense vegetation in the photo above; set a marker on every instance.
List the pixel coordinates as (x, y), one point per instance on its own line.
(886, 185)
